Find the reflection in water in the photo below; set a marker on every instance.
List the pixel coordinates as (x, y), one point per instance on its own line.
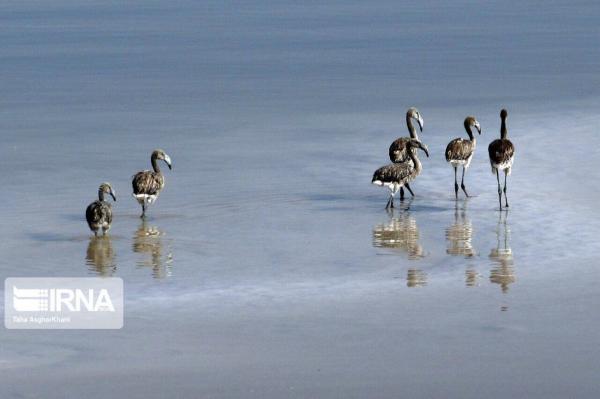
(148, 240)
(416, 278)
(471, 278)
(460, 234)
(503, 273)
(100, 256)
(400, 233)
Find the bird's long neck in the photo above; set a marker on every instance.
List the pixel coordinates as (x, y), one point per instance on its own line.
(469, 131)
(503, 130)
(101, 195)
(154, 164)
(411, 129)
(412, 153)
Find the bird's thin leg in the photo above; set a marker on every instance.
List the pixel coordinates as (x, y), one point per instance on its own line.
(505, 199)
(462, 183)
(409, 189)
(143, 209)
(499, 189)
(401, 194)
(455, 183)
(95, 233)
(389, 202)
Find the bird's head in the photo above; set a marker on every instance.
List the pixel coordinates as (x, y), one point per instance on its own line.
(503, 114)
(106, 188)
(416, 115)
(414, 144)
(161, 155)
(471, 121)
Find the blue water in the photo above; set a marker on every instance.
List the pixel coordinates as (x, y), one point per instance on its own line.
(268, 267)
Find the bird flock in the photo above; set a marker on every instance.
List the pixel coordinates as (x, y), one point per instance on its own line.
(406, 166)
(147, 185)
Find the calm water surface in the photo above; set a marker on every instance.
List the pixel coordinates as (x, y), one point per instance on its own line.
(269, 267)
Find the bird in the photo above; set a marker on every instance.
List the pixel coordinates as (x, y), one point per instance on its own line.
(147, 184)
(396, 175)
(502, 154)
(460, 152)
(398, 151)
(99, 213)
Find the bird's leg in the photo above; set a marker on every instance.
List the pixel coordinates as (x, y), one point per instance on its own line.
(409, 189)
(401, 194)
(499, 189)
(95, 233)
(455, 183)
(143, 209)
(387, 206)
(462, 183)
(505, 199)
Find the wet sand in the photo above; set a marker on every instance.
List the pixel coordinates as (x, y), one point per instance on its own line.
(268, 267)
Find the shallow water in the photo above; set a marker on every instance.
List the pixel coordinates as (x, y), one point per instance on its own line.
(268, 266)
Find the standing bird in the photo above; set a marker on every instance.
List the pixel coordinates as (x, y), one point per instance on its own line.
(460, 152)
(502, 153)
(147, 184)
(398, 149)
(99, 213)
(396, 175)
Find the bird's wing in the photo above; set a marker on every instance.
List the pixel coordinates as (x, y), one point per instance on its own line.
(146, 182)
(501, 150)
(98, 211)
(459, 149)
(392, 173)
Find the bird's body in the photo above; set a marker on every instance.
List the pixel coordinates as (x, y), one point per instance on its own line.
(396, 175)
(459, 152)
(398, 151)
(99, 213)
(147, 184)
(502, 153)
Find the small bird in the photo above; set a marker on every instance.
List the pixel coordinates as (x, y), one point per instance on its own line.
(99, 213)
(502, 154)
(460, 152)
(147, 184)
(396, 175)
(398, 149)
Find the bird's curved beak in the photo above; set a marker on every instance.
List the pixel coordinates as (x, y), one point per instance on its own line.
(420, 122)
(168, 162)
(113, 195)
(478, 127)
(425, 149)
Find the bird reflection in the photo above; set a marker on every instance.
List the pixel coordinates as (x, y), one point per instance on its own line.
(471, 278)
(100, 256)
(416, 278)
(400, 233)
(460, 234)
(148, 241)
(503, 272)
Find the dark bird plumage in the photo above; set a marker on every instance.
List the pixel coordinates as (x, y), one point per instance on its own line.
(398, 149)
(147, 184)
(502, 152)
(396, 175)
(460, 152)
(99, 213)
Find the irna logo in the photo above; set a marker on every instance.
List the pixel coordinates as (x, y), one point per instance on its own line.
(61, 299)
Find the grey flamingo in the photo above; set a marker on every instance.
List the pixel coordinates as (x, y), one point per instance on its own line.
(147, 184)
(99, 213)
(396, 175)
(398, 149)
(502, 154)
(460, 152)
